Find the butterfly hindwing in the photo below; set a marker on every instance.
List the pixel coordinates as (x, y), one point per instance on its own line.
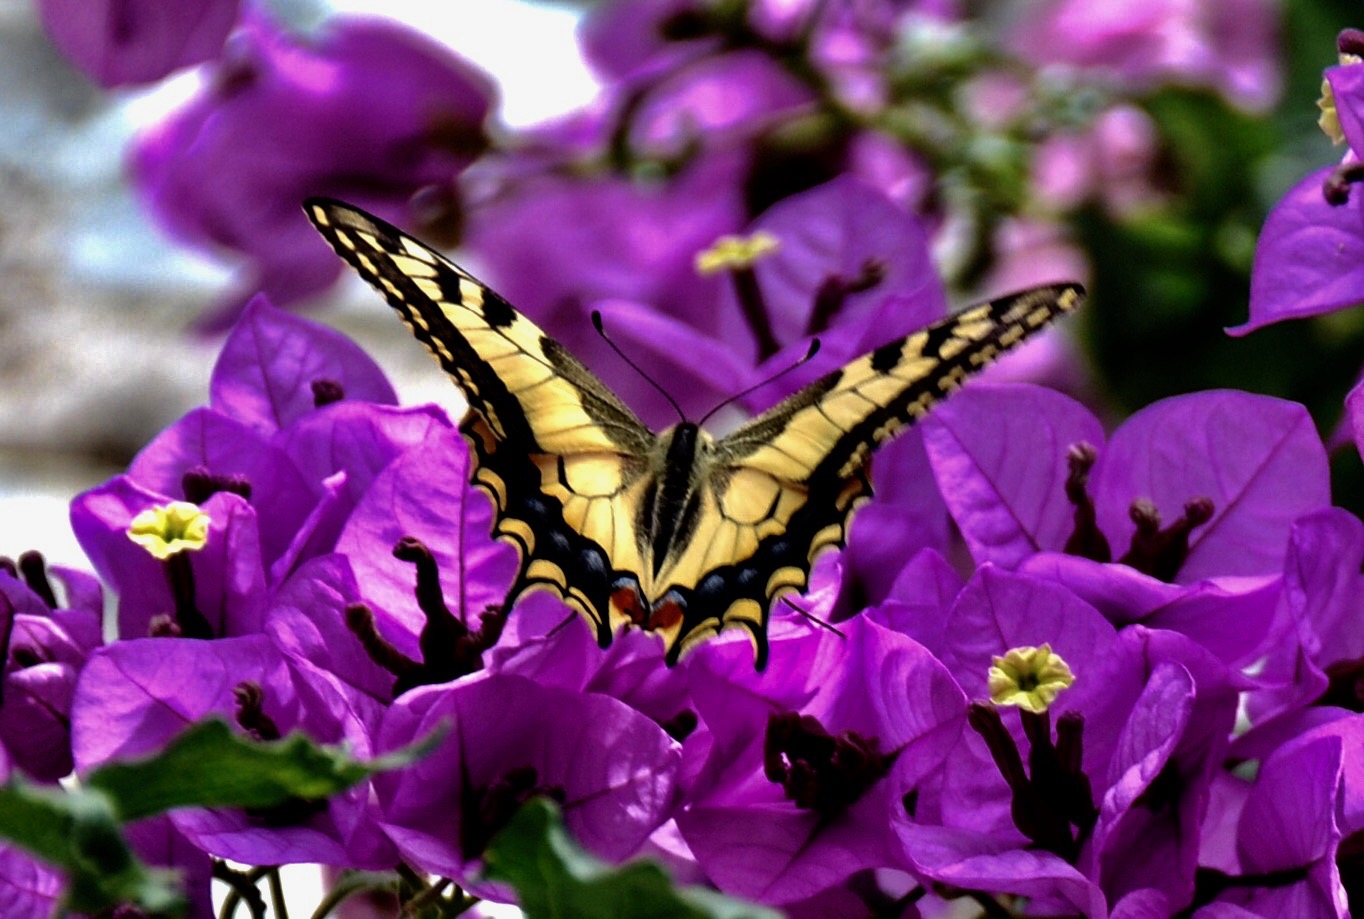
(540, 424)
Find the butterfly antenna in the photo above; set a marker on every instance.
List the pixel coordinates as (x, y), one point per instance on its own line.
(811, 617)
(814, 349)
(601, 330)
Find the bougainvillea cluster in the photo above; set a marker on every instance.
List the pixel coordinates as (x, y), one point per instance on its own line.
(1065, 666)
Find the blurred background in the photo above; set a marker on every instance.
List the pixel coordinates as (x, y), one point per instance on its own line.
(97, 306)
(1136, 146)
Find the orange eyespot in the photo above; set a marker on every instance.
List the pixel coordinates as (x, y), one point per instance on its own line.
(667, 614)
(625, 599)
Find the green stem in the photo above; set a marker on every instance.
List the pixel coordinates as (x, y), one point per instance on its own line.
(277, 893)
(244, 890)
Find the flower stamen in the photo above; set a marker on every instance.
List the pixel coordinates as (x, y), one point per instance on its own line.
(169, 532)
(1029, 678)
(487, 810)
(817, 771)
(737, 255)
(166, 530)
(325, 392)
(1086, 539)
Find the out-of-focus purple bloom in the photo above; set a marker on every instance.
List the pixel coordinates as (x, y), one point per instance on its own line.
(1030, 253)
(558, 248)
(719, 102)
(612, 770)
(848, 267)
(275, 368)
(792, 802)
(1114, 162)
(844, 252)
(628, 37)
(369, 111)
(116, 42)
(158, 842)
(134, 696)
(1227, 45)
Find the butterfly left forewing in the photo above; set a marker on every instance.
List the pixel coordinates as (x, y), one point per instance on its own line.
(790, 479)
(561, 456)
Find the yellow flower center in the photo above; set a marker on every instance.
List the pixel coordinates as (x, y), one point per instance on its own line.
(729, 253)
(1329, 120)
(167, 529)
(1029, 678)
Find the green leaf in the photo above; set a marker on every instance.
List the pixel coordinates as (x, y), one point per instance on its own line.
(554, 877)
(211, 765)
(79, 832)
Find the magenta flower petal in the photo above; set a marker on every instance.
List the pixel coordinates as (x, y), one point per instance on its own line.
(134, 696)
(357, 438)
(426, 494)
(307, 623)
(367, 110)
(907, 514)
(1289, 824)
(999, 454)
(834, 230)
(117, 43)
(919, 598)
(229, 581)
(269, 364)
(1174, 740)
(1309, 259)
(750, 838)
(1232, 616)
(35, 718)
(976, 861)
(29, 888)
(615, 768)
(1259, 459)
(998, 610)
(206, 439)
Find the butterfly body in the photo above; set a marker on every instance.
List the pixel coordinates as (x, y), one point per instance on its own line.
(679, 532)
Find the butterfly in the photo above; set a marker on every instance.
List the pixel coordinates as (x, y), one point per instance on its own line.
(678, 533)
